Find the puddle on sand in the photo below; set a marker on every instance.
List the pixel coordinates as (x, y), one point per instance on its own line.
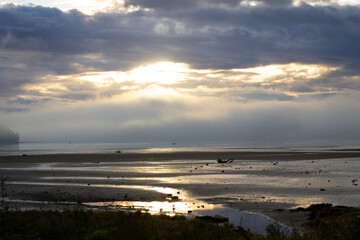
(178, 203)
(164, 190)
(255, 222)
(170, 208)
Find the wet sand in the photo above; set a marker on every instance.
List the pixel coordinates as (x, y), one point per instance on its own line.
(238, 155)
(267, 182)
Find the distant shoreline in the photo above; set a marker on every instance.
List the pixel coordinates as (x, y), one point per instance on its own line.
(237, 155)
(9, 142)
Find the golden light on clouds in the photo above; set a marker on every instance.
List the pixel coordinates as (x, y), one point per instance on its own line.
(154, 91)
(159, 73)
(167, 73)
(285, 72)
(169, 80)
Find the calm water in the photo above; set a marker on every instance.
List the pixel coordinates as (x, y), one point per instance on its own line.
(138, 147)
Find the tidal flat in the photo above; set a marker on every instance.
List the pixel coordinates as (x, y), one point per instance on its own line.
(252, 189)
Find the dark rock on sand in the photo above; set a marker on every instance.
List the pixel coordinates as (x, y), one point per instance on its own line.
(214, 219)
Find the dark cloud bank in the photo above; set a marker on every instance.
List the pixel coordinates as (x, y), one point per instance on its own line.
(51, 41)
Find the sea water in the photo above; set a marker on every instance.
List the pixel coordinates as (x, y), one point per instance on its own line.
(40, 148)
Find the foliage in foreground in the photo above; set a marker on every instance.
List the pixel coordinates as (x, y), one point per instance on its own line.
(105, 225)
(339, 222)
(326, 222)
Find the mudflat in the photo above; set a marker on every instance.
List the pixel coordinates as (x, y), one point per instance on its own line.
(238, 155)
(267, 182)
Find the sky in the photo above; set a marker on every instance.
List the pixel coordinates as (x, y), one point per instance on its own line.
(181, 70)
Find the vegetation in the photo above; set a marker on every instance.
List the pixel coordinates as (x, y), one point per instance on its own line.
(3, 191)
(325, 223)
(328, 222)
(106, 225)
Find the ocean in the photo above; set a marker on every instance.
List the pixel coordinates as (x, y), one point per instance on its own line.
(41, 148)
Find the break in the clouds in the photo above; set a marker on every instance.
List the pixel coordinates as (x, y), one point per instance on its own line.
(182, 68)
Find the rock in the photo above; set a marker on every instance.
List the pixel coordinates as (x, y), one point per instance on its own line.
(214, 219)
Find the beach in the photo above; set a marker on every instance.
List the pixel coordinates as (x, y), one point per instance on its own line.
(269, 183)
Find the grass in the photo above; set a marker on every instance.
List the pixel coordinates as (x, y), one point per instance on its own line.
(325, 223)
(106, 225)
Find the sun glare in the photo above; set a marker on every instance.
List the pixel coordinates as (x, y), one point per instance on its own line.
(159, 73)
(168, 73)
(162, 80)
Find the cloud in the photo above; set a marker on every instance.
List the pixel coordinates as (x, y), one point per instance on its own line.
(334, 118)
(203, 37)
(162, 4)
(250, 69)
(177, 5)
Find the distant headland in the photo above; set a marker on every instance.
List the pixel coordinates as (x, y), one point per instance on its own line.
(7, 136)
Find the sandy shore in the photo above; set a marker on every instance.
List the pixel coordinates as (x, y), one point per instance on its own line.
(241, 155)
(266, 182)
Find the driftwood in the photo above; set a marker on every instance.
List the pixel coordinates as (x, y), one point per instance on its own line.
(230, 160)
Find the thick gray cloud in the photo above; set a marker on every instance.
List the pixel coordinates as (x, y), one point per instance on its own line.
(176, 5)
(163, 4)
(209, 37)
(37, 41)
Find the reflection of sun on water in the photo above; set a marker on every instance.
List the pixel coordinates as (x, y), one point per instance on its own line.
(176, 203)
(169, 208)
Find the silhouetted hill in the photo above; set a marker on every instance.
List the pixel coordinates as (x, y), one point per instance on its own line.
(7, 136)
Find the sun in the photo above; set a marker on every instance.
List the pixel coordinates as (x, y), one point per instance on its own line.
(161, 73)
